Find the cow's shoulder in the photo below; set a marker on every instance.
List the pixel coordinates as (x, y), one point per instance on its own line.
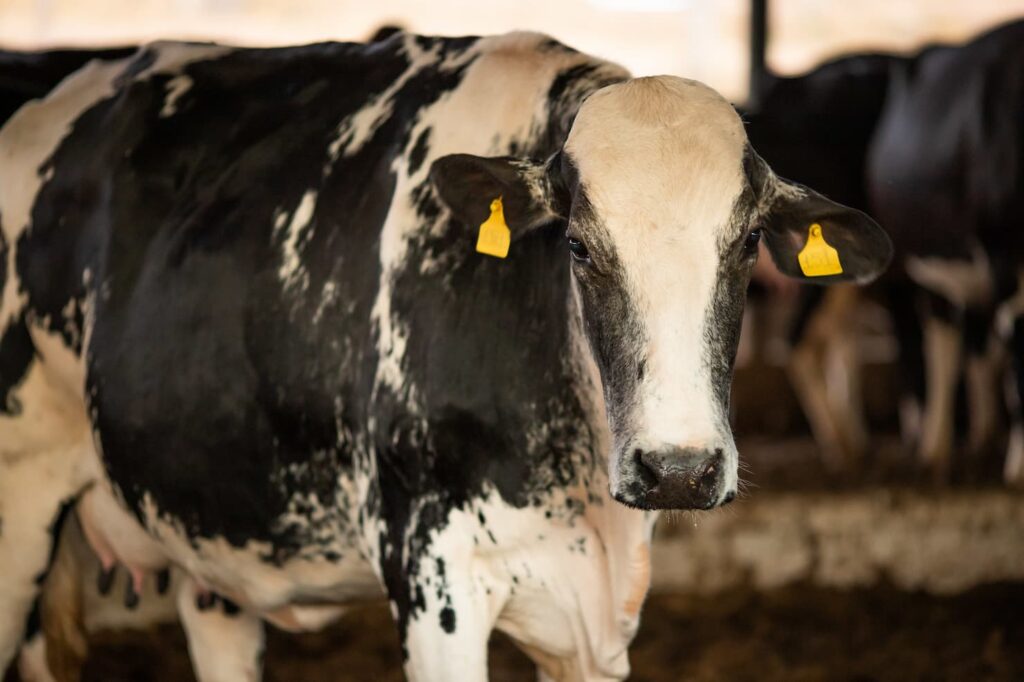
(556, 77)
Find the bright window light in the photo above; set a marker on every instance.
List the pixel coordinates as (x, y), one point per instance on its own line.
(641, 5)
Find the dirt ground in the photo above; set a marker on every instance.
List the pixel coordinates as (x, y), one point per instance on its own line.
(793, 634)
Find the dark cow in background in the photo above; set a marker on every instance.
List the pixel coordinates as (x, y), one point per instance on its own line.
(244, 329)
(946, 175)
(833, 112)
(939, 140)
(816, 129)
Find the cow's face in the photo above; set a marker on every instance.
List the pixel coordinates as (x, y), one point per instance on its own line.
(663, 204)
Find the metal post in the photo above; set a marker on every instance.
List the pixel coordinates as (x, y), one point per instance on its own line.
(758, 47)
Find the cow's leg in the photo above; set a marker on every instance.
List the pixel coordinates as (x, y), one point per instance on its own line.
(33, 663)
(824, 381)
(943, 342)
(984, 368)
(904, 302)
(32, 491)
(225, 644)
(807, 376)
(1013, 467)
(445, 609)
(447, 640)
(44, 443)
(845, 396)
(30, 503)
(63, 607)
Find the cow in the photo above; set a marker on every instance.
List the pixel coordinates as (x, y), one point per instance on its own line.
(815, 128)
(246, 332)
(946, 172)
(795, 130)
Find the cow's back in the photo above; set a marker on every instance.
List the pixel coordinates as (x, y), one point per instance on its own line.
(31, 75)
(947, 161)
(815, 128)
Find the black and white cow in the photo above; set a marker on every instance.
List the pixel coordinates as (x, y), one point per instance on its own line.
(946, 175)
(816, 128)
(929, 137)
(244, 326)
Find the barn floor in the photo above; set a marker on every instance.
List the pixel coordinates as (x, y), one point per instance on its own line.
(790, 634)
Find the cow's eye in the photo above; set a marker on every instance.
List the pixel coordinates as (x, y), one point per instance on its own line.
(578, 250)
(750, 243)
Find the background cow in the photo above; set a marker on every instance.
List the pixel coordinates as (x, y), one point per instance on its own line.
(819, 129)
(816, 128)
(946, 170)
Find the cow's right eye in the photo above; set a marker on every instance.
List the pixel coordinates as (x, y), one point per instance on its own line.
(751, 241)
(578, 250)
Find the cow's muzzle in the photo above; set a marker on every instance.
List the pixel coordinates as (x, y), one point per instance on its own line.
(676, 478)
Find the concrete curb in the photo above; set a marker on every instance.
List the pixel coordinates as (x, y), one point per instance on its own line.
(938, 541)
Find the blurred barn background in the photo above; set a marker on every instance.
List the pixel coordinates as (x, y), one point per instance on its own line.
(881, 534)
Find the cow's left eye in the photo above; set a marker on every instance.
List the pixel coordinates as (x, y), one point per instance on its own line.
(578, 250)
(750, 243)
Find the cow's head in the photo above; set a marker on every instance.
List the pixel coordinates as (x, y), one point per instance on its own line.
(663, 203)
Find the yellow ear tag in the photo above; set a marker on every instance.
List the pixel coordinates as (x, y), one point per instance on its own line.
(494, 235)
(817, 258)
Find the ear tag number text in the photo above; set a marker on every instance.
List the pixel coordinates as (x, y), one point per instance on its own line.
(818, 259)
(494, 237)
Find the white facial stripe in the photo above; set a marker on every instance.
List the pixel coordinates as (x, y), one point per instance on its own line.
(661, 162)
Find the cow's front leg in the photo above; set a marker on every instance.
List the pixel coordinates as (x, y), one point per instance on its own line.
(445, 608)
(225, 643)
(447, 638)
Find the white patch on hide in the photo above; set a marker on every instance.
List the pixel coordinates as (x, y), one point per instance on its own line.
(176, 87)
(291, 271)
(963, 283)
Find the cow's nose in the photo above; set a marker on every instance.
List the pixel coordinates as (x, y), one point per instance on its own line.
(682, 478)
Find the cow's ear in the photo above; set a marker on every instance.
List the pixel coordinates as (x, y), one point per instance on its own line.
(468, 184)
(822, 242)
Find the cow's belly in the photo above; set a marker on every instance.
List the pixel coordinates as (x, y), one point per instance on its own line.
(299, 594)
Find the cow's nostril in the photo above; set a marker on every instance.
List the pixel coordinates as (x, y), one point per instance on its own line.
(648, 476)
(710, 476)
